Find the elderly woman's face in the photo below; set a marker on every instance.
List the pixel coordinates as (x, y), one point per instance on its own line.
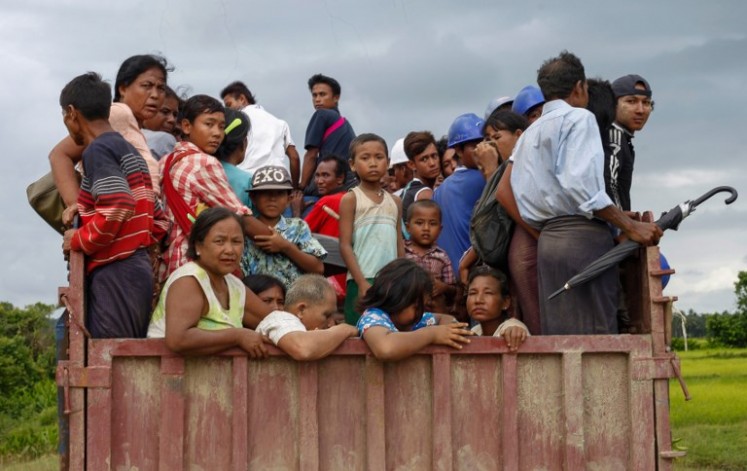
(222, 248)
(144, 96)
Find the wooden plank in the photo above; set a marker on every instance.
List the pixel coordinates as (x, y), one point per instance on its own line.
(408, 386)
(375, 432)
(573, 406)
(606, 406)
(643, 437)
(273, 410)
(476, 405)
(342, 402)
(540, 398)
(208, 392)
(442, 430)
(77, 357)
(663, 429)
(308, 417)
(550, 344)
(510, 417)
(171, 431)
(240, 419)
(136, 413)
(99, 416)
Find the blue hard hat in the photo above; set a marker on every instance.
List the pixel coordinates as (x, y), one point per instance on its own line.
(529, 97)
(495, 103)
(664, 264)
(465, 128)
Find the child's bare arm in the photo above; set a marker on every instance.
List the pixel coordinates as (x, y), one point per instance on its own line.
(62, 159)
(392, 346)
(465, 264)
(316, 344)
(276, 243)
(347, 215)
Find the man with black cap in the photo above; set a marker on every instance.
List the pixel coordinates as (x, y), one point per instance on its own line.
(634, 106)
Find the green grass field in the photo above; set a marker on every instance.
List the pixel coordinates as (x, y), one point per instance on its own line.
(713, 425)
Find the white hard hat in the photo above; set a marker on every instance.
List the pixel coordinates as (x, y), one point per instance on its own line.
(495, 103)
(397, 155)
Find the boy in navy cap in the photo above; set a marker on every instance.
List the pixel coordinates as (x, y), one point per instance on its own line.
(634, 106)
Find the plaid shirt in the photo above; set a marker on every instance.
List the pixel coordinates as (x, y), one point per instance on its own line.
(434, 260)
(199, 178)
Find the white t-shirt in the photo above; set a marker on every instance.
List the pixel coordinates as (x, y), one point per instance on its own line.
(510, 322)
(268, 139)
(279, 323)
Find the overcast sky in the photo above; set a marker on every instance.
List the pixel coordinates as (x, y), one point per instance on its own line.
(403, 66)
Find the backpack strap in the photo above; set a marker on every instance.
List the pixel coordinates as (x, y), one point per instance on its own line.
(335, 126)
(183, 214)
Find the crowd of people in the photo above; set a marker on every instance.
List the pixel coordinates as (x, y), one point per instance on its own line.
(200, 221)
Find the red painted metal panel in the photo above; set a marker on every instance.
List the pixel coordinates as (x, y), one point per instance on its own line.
(375, 419)
(135, 421)
(476, 405)
(341, 402)
(99, 414)
(408, 413)
(73, 300)
(308, 442)
(442, 425)
(606, 406)
(540, 409)
(240, 417)
(510, 417)
(171, 432)
(273, 409)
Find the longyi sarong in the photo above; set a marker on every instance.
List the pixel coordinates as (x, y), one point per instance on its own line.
(566, 246)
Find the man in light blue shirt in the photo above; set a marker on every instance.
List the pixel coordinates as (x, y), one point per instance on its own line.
(558, 182)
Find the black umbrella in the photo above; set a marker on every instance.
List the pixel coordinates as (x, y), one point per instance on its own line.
(669, 220)
(333, 263)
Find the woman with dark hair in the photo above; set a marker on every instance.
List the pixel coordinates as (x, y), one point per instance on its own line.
(193, 179)
(204, 308)
(138, 94)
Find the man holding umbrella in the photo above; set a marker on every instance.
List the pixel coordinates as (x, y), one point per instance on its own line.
(558, 181)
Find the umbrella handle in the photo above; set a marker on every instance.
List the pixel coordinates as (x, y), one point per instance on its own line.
(718, 189)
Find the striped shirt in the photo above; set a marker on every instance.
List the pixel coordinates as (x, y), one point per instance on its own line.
(117, 206)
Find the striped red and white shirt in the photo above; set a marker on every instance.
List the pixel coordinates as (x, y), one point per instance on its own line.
(119, 211)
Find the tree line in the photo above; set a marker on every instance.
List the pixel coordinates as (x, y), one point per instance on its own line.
(728, 329)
